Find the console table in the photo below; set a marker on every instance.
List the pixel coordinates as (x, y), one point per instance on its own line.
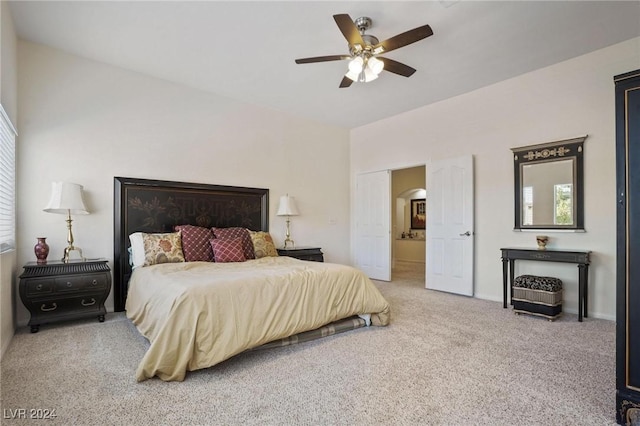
(510, 255)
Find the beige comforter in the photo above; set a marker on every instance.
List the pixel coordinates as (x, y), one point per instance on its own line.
(198, 314)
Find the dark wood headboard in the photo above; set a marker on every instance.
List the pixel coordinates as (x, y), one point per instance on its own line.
(142, 205)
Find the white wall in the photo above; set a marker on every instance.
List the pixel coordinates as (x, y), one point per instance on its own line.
(86, 122)
(562, 101)
(8, 98)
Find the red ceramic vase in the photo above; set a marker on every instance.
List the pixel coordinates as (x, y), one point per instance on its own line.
(42, 250)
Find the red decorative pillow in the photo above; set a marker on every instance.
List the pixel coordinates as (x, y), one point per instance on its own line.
(195, 243)
(237, 233)
(226, 250)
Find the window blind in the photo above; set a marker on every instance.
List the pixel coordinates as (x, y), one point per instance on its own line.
(7, 183)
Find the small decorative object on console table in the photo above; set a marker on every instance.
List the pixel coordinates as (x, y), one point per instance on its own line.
(41, 250)
(303, 253)
(60, 291)
(542, 241)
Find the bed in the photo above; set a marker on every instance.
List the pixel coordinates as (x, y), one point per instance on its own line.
(197, 314)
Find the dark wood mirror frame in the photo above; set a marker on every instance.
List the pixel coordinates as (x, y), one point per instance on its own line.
(568, 149)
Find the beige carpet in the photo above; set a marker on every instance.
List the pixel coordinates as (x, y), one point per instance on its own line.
(444, 359)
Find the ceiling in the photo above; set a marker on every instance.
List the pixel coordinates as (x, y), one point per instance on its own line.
(246, 50)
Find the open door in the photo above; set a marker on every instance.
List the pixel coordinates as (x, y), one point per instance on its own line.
(450, 231)
(373, 224)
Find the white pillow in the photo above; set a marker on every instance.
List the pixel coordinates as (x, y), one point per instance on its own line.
(137, 249)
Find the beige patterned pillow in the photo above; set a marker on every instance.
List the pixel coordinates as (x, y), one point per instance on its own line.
(162, 248)
(263, 244)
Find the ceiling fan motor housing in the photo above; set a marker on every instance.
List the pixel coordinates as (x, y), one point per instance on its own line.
(363, 23)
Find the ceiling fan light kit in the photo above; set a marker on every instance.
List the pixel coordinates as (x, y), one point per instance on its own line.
(364, 69)
(364, 66)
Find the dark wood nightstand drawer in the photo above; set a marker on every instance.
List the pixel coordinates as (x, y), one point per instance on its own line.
(73, 283)
(39, 287)
(79, 282)
(52, 310)
(60, 305)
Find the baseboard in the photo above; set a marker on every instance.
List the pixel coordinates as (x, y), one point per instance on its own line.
(5, 345)
(597, 315)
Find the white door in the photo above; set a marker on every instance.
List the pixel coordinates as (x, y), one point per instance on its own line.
(373, 224)
(449, 227)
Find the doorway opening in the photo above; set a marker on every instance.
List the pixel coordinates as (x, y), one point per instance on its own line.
(408, 219)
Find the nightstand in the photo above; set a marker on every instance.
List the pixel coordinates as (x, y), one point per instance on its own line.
(303, 253)
(58, 291)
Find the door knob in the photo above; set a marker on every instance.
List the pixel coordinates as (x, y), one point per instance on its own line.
(466, 234)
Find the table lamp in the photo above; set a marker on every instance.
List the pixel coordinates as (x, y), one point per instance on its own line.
(287, 208)
(66, 198)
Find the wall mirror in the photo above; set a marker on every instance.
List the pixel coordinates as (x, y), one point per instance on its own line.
(549, 190)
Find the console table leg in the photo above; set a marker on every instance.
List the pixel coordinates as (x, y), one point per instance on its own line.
(512, 267)
(583, 278)
(505, 267)
(581, 291)
(586, 291)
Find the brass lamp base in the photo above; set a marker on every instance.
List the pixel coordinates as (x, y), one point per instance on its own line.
(287, 235)
(289, 241)
(70, 247)
(66, 258)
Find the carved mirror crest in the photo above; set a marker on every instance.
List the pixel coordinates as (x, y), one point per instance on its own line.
(548, 183)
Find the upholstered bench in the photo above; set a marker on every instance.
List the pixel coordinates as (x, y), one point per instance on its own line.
(537, 296)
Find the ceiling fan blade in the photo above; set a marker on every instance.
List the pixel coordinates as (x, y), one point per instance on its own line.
(403, 39)
(349, 29)
(322, 59)
(397, 67)
(346, 82)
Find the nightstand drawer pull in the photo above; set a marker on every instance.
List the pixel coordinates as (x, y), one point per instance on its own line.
(53, 307)
(69, 284)
(94, 282)
(39, 287)
(93, 302)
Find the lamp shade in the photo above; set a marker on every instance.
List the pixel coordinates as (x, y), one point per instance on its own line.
(375, 65)
(66, 198)
(356, 64)
(287, 206)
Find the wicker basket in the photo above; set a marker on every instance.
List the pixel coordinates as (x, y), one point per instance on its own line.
(543, 303)
(550, 298)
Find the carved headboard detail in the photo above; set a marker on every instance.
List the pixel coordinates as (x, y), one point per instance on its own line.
(142, 205)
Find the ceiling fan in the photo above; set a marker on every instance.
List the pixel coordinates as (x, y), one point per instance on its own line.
(364, 62)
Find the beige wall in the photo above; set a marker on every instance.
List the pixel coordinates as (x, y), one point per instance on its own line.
(86, 122)
(561, 101)
(8, 98)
